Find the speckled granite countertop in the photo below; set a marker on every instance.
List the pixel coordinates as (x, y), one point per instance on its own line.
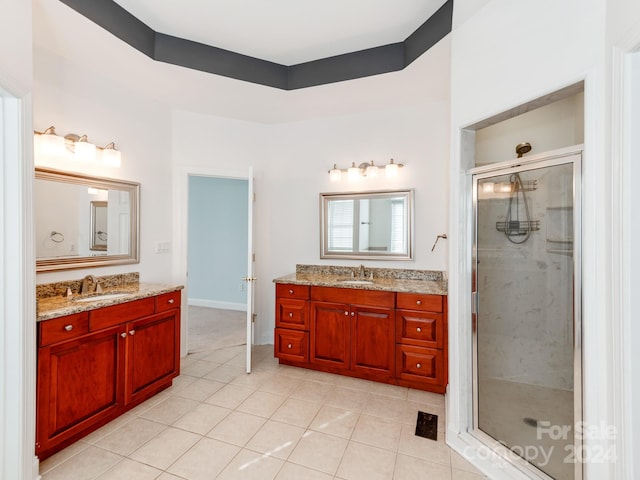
(387, 279)
(58, 305)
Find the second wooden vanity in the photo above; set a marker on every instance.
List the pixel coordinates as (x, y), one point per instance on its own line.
(96, 364)
(375, 333)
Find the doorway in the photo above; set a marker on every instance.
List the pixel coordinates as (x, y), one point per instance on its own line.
(217, 246)
(527, 318)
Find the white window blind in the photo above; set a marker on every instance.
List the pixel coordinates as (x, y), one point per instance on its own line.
(398, 227)
(341, 223)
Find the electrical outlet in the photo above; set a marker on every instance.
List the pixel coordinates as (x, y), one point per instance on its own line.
(162, 247)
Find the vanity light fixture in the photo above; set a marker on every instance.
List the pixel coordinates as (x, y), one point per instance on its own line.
(355, 173)
(49, 144)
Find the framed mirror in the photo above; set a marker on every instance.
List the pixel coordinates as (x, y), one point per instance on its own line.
(367, 225)
(83, 221)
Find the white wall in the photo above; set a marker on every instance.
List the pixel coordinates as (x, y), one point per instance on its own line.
(290, 164)
(75, 98)
(507, 54)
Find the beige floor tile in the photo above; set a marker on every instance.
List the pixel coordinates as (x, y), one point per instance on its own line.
(464, 475)
(88, 464)
(292, 371)
(276, 439)
(128, 469)
(460, 463)
(110, 427)
(296, 412)
(169, 410)
(237, 428)
(364, 462)
(248, 465)
(262, 404)
(313, 391)
(240, 360)
(322, 377)
(167, 476)
(412, 468)
(354, 383)
(392, 391)
(421, 396)
(62, 456)
(319, 451)
(202, 418)
(222, 355)
(386, 407)
(181, 381)
(280, 384)
(131, 436)
(224, 373)
(253, 380)
(291, 471)
(335, 421)
(150, 403)
(348, 399)
(205, 460)
(415, 446)
(199, 390)
(199, 368)
(377, 432)
(229, 396)
(166, 448)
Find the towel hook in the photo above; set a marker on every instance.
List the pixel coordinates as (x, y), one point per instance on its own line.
(443, 236)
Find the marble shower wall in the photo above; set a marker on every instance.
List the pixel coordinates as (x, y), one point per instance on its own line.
(525, 326)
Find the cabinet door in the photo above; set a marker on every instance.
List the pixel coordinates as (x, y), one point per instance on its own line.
(153, 354)
(372, 341)
(329, 334)
(79, 385)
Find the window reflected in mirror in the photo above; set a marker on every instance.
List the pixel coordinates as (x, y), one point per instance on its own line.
(367, 225)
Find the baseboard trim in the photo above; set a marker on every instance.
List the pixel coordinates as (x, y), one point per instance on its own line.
(201, 302)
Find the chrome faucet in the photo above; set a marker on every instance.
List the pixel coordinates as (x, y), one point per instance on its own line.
(84, 288)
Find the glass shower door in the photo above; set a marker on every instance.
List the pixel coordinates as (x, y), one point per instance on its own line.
(526, 360)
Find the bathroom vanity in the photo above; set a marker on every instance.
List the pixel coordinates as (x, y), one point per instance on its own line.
(391, 329)
(100, 355)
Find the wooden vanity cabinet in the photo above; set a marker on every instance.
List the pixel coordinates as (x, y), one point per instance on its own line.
(94, 366)
(353, 331)
(421, 336)
(291, 339)
(392, 337)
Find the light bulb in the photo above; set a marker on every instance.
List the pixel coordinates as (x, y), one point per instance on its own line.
(335, 174)
(372, 170)
(391, 170)
(353, 173)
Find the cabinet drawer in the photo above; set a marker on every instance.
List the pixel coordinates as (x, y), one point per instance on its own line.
(419, 301)
(291, 345)
(63, 328)
(420, 364)
(288, 290)
(123, 312)
(168, 301)
(422, 329)
(292, 313)
(352, 296)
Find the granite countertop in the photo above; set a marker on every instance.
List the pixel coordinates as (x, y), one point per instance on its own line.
(391, 280)
(58, 305)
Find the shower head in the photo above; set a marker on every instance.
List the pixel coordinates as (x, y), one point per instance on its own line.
(523, 148)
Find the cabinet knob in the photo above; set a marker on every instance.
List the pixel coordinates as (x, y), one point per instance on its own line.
(418, 365)
(289, 346)
(353, 314)
(291, 315)
(346, 313)
(123, 334)
(132, 332)
(290, 292)
(418, 329)
(68, 328)
(419, 302)
(171, 300)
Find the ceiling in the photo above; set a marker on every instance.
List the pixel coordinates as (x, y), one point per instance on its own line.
(287, 32)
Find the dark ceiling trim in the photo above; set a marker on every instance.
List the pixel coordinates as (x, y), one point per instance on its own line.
(186, 53)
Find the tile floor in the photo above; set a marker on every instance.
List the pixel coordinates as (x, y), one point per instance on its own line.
(279, 422)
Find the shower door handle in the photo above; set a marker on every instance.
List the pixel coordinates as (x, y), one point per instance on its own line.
(474, 303)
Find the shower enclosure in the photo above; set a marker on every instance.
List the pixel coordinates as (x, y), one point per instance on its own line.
(526, 331)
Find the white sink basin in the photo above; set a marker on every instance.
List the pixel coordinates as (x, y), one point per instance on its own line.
(105, 296)
(356, 282)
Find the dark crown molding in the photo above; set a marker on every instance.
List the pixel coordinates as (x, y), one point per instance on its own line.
(186, 53)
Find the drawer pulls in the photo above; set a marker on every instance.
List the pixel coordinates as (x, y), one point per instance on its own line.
(171, 300)
(132, 332)
(290, 292)
(291, 315)
(123, 334)
(418, 329)
(289, 346)
(68, 328)
(418, 365)
(418, 302)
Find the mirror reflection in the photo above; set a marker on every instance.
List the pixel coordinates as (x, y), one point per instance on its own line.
(366, 225)
(84, 221)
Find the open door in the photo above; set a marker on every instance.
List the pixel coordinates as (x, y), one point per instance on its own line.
(249, 279)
